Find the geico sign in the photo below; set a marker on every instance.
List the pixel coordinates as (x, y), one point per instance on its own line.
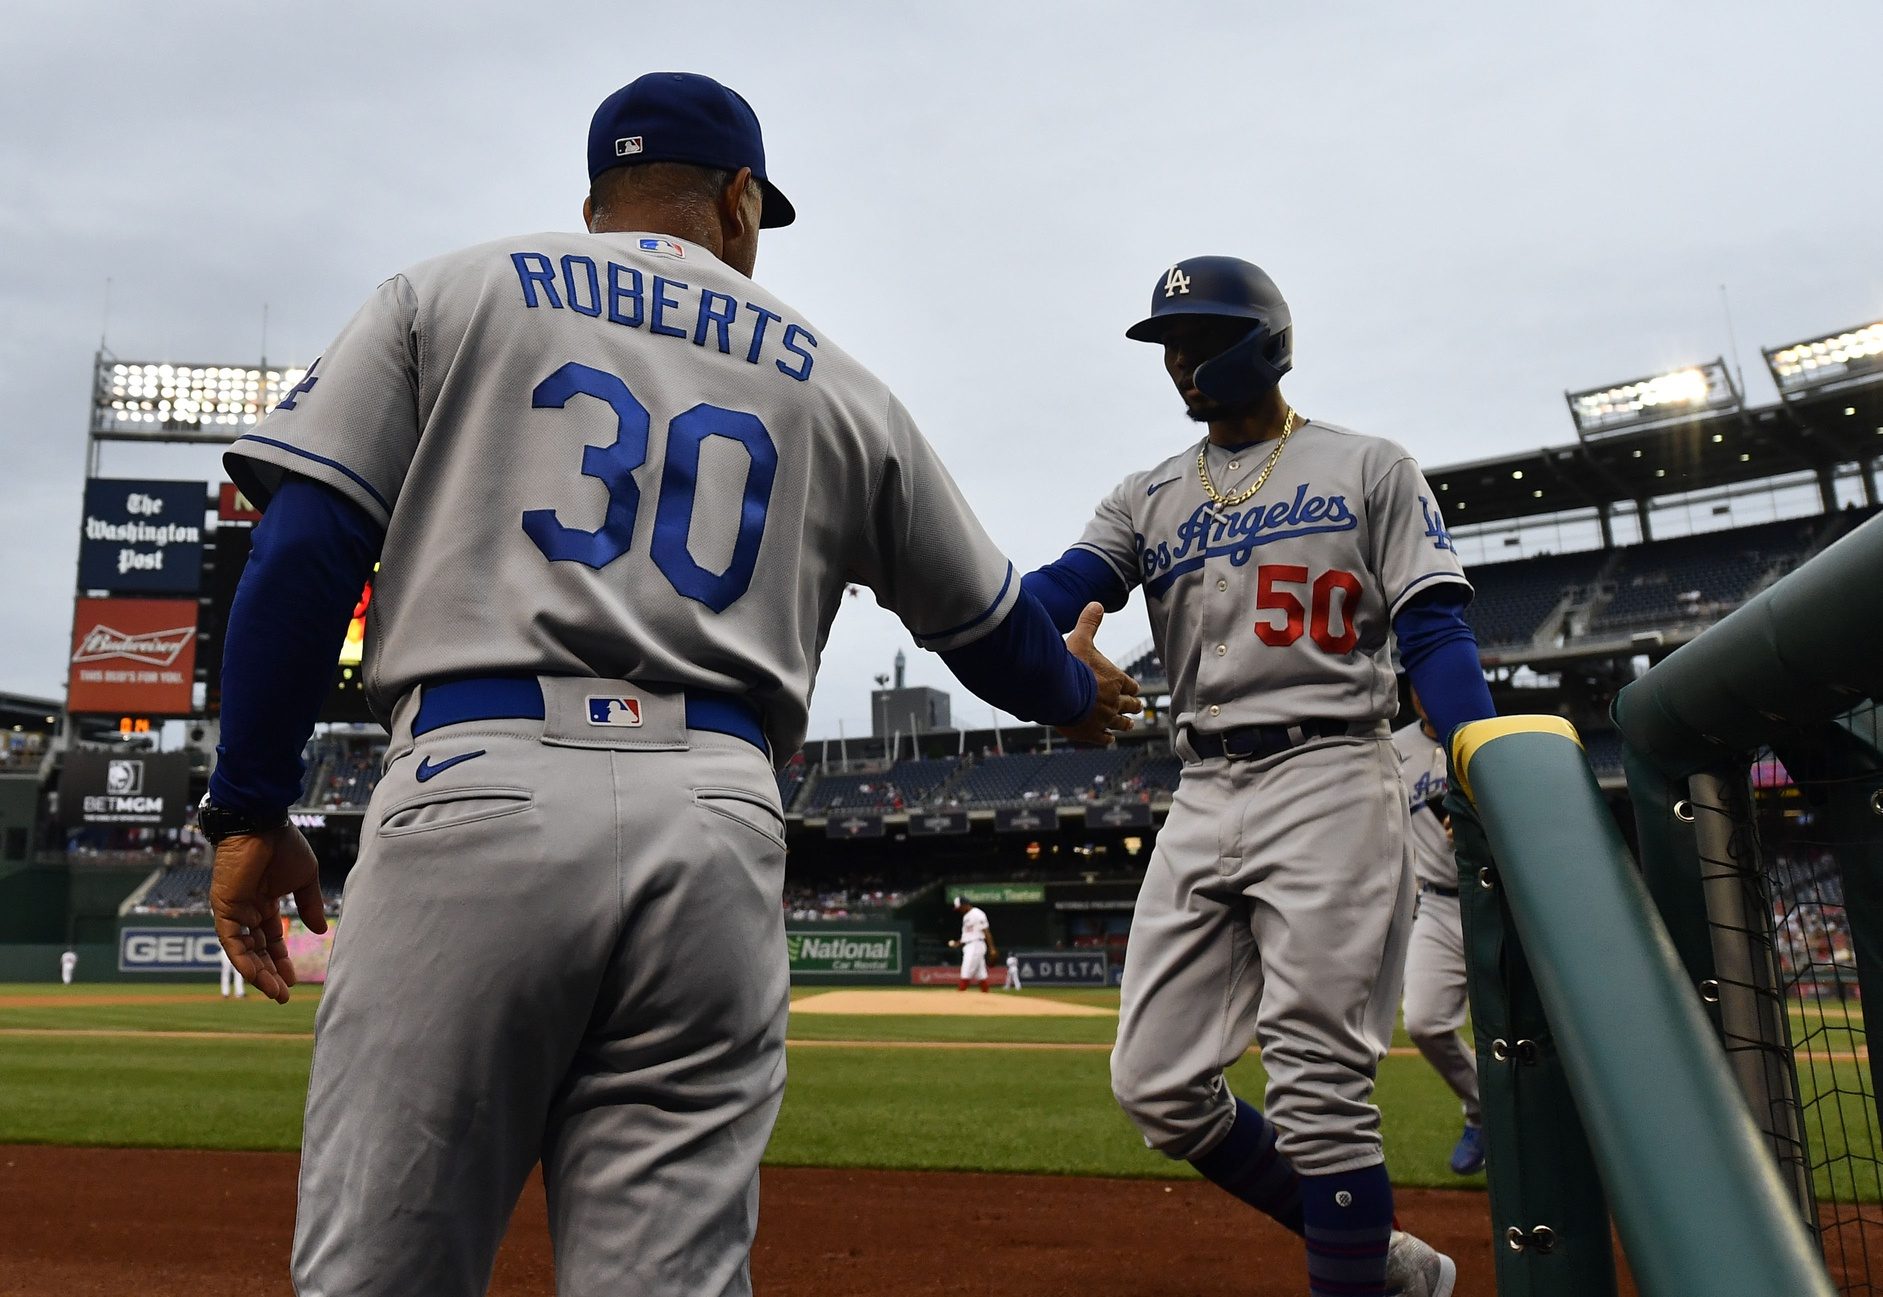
(163, 950)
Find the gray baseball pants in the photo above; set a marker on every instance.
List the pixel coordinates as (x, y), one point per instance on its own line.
(1435, 997)
(569, 949)
(1275, 908)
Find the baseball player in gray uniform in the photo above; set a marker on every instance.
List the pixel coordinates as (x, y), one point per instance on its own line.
(615, 491)
(1278, 556)
(1436, 1003)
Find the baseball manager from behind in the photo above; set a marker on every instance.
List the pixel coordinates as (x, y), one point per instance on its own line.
(1278, 556)
(615, 491)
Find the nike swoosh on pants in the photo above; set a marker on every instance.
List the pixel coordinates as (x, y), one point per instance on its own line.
(427, 768)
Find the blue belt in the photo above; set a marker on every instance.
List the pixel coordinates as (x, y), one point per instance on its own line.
(491, 698)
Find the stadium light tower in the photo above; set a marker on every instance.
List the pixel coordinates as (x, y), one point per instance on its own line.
(1659, 399)
(1842, 359)
(162, 402)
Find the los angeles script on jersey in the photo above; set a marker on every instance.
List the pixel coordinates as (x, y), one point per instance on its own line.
(667, 308)
(1235, 533)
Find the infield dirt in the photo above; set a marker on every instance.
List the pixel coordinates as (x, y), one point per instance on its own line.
(99, 1222)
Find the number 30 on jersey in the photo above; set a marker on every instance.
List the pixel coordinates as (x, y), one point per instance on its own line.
(614, 465)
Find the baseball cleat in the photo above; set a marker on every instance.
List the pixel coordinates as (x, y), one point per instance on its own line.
(1414, 1268)
(1468, 1157)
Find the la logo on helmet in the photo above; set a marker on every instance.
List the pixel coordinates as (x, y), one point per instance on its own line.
(1175, 281)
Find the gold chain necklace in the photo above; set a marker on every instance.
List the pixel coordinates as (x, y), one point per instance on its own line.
(1230, 502)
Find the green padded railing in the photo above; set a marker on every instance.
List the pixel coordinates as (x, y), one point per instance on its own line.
(1699, 1204)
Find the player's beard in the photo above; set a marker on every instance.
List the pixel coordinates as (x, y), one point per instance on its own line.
(1209, 411)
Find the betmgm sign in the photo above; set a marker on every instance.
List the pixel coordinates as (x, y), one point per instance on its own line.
(168, 950)
(149, 789)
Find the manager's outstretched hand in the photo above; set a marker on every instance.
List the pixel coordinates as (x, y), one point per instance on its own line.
(1118, 699)
(253, 872)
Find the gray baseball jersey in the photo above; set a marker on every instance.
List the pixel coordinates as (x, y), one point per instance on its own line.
(613, 455)
(1277, 901)
(1278, 610)
(1427, 778)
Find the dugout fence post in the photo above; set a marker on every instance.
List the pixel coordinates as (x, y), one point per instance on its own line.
(1746, 989)
(1670, 866)
(1844, 762)
(1549, 1216)
(1700, 1206)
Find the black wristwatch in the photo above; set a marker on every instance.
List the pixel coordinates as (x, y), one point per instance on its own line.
(219, 822)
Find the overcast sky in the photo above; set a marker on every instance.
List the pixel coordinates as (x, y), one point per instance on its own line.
(1470, 209)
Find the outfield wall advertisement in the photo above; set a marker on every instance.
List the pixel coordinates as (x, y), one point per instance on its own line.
(168, 950)
(857, 954)
(999, 893)
(1064, 968)
(813, 952)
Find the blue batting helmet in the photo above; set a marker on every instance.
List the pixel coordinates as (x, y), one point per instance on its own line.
(1233, 288)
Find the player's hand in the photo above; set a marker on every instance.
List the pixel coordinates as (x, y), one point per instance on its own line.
(1117, 700)
(953, 944)
(253, 872)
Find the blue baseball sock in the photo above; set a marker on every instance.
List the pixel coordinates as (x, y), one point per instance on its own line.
(1349, 1225)
(1248, 1165)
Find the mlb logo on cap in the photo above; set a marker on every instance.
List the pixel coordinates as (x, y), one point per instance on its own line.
(618, 712)
(686, 118)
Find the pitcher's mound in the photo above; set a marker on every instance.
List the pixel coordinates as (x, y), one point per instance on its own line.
(991, 1004)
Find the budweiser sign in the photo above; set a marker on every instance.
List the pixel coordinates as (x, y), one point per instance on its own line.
(159, 648)
(133, 657)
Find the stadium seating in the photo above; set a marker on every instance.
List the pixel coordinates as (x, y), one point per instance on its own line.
(907, 783)
(791, 780)
(1147, 666)
(1512, 599)
(1159, 772)
(1604, 748)
(1079, 774)
(183, 890)
(1700, 578)
(1000, 780)
(1066, 776)
(341, 772)
(840, 899)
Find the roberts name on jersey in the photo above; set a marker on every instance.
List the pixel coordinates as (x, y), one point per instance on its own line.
(668, 307)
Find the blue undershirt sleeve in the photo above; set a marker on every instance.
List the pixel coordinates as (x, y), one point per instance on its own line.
(1078, 577)
(1022, 667)
(1440, 654)
(312, 554)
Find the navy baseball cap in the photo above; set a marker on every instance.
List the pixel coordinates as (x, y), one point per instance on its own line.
(683, 117)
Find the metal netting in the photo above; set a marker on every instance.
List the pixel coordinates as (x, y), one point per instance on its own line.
(1806, 851)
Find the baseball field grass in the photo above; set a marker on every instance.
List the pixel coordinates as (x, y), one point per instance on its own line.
(175, 1067)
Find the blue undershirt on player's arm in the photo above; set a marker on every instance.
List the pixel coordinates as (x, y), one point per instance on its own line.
(1440, 653)
(1022, 667)
(313, 552)
(1078, 577)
